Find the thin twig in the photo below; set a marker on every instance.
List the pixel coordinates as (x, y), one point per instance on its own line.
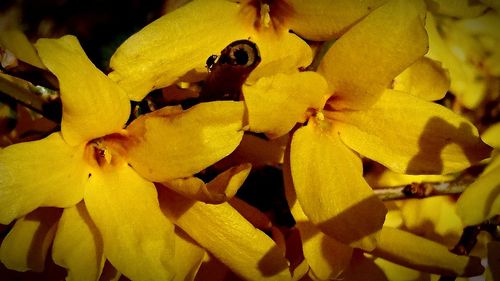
(37, 98)
(424, 189)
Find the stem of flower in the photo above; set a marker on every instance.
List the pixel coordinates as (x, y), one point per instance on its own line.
(37, 98)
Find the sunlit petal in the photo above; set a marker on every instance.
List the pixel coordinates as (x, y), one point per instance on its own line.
(410, 135)
(228, 236)
(220, 189)
(46, 172)
(188, 256)
(481, 200)
(425, 79)
(364, 60)
(328, 19)
(282, 52)
(78, 245)
(327, 257)
(176, 43)
(93, 105)
(162, 147)
(276, 103)
(425, 255)
(330, 188)
(138, 239)
(492, 135)
(26, 245)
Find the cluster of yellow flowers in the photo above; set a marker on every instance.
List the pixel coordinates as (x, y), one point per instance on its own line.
(106, 197)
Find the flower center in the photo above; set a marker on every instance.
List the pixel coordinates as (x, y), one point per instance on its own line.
(269, 13)
(105, 151)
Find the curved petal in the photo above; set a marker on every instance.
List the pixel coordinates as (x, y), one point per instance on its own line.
(271, 46)
(492, 135)
(176, 43)
(138, 239)
(93, 106)
(228, 236)
(326, 19)
(412, 136)
(26, 245)
(223, 187)
(14, 40)
(481, 200)
(425, 79)
(46, 172)
(188, 256)
(327, 257)
(78, 245)
(162, 147)
(363, 62)
(425, 255)
(276, 103)
(330, 188)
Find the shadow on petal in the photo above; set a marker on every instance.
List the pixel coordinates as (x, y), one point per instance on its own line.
(432, 145)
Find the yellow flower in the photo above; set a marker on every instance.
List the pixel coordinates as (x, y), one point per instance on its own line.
(176, 46)
(403, 132)
(481, 200)
(93, 158)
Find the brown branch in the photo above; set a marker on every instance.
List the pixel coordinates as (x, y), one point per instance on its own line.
(424, 189)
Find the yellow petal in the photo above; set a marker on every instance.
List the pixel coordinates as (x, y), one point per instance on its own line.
(167, 146)
(14, 40)
(325, 19)
(425, 255)
(326, 257)
(253, 215)
(297, 54)
(276, 103)
(410, 135)
(221, 230)
(46, 172)
(395, 271)
(138, 239)
(220, 189)
(463, 77)
(425, 79)
(26, 245)
(78, 245)
(492, 135)
(93, 105)
(481, 200)
(365, 59)
(456, 8)
(188, 256)
(330, 188)
(176, 43)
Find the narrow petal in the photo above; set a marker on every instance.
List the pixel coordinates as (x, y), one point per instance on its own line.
(138, 239)
(481, 200)
(425, 255)
(41, 173)
(364, 60)
(412, 136)
(276, 103)
(93, 105)
(176, 43)
(78, 245)
(327, 257)
(14, 40)
(425, 79)
(222, 188)
(330, 188)
(228, 236)
(26, 245)
(188, 256)
(162, 147)
(327, 19)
